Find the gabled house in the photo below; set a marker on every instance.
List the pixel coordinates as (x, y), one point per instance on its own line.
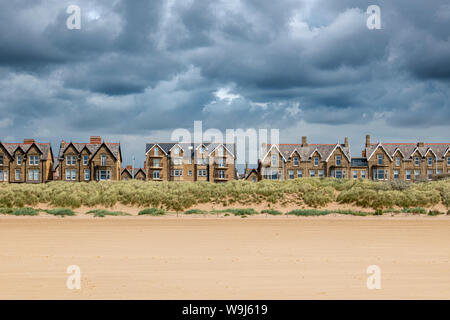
(290, 161)
(406, 161)
(127, 174)
(93, 161)
(27, 162)
(190, 162)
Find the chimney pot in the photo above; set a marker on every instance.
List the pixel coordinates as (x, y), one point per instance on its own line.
(421, 144)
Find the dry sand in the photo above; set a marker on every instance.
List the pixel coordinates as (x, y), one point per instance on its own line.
(225, 258)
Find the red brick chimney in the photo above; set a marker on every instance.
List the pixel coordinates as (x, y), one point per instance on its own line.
(28, 141)
(304, 141)
(96, 140)
(129, 167)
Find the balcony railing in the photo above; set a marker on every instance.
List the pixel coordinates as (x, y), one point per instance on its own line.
(221, 177)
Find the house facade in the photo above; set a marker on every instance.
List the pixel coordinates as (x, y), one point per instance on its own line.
(27, 162)
(127, 174)
(190, 162)
(93, 161)
(406, 161)
(290, 161)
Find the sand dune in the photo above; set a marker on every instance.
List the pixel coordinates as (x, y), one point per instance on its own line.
(210, 258)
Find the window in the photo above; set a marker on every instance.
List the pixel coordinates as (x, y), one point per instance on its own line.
(380, 174)
(299, 173)
(291, 174)
(221, 174)
(430, 174)
(1, 160)
(220, 151)
(363, 174)
(338, 160)
(408, 174)
(85, 160)
(156, 152)
(33, 174)
(103, 159)
(430, 161)
(157, 163)
(19, 160)
(416, 174)
(71, 175)
(316, 162)
(202, 149)
(221, 162)
(396, 174)
(3, 175)
(438, 172)
(34, 160)
(296, 161)
(253, 179)
(74, 175)
(338, 174)
(156, 174)
(274, 160)
(321, 173)
(416, 161)
(355, 174)
(87, 174)
(177, 161)
(176, 151)
(397, 161)
(448, 161)
(17, 174)
(103, 175)
(312, 173)
(380, 159)
(200, 173)
(190, 173)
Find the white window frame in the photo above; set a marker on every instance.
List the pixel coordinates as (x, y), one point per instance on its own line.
(87, 174)
(338, 160)
(316, 162)
(380, 159)
(363, 174)
(430, 161)
(85, 160)
(320, 173)
(296, 161)
(156, 151)
(416, 161)
(17, 177)
(355, 174)
(189, 173)
(103, 160)
(397, 161)
(2, 160)
(3, 174)
(274, 160)
(430, 174)
(19, 160)
(156, 174)
(408, 174)
(299, 173)
(312, 173)
(291, 174)
(415, 173)
(396, 174)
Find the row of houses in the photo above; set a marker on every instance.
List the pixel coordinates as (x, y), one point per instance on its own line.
(96, 160)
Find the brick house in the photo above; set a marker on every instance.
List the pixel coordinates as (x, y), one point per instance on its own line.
(406, 161)
(27, 162)
(93, 161)
(290, 161)
(127, 174)
(190, 162)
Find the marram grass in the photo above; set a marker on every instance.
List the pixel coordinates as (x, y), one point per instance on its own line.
(178, 197)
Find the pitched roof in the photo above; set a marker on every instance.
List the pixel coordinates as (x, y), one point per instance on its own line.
(167, 146)
(306, 152)
(92, 148)
(45, 148)
(408, 149)
(136, 171)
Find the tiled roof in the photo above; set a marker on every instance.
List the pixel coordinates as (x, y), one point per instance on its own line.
(92, 148)
(408, 149)
(166, 147)
(45, 148)
(136, 171)
(306, 152)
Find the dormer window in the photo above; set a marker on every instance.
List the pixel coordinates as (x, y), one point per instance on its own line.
(296, 161)
(448, 161)
(380, 159)
(430, 161)
(176, 151)
(71, 160)
(34, 160)
(202, 149)
(220, 151)
(19, 160)
(1, 160)
(156, 151)
(274, 160)
(85, 160)
(338, 160)
(416, 161)
(103, 159)
(316, 162)
(397, 161)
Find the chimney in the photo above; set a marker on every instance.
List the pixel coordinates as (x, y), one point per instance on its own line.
(246, 168)
(28, 141)
(367, 140)
(346, 142)
(304, 141)
(95, 140)
(421, 144)
(363, 153)
(129, 167)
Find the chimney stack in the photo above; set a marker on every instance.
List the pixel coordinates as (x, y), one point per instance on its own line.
(28, 141)
(246, 168)
(367, 140)
(304, 141)
(129, 167)
(421, 144)
(95, 140)
(346, 142)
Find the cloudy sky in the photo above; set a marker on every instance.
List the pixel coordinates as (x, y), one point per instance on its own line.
(137, 70)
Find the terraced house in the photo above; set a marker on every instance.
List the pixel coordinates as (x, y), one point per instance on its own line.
(290, 161)
(27, 162)
(93, 161)
(190, 162)
(406, 161)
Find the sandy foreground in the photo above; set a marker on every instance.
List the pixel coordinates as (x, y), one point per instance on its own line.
(225, 258)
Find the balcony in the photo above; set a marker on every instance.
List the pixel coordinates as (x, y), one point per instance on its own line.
(221, 166)
(223, 177)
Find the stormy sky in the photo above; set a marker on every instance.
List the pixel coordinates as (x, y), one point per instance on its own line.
(137, 70)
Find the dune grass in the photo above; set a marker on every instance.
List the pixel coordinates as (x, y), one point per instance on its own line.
(60, 212)
(101, 213)
(152, 212)
(195, 211)
(316, 212)
(19, 211)
(272, 212)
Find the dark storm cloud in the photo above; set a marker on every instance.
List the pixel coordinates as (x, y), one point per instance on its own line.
(140, 67)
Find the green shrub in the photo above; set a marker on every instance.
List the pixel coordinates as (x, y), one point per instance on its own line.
(102, 213)
(417, 210)
(195, 211)
(19, 211)
(152, 212)
(434, 213)
(272, 212)
(378, 212)
(60, 212)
